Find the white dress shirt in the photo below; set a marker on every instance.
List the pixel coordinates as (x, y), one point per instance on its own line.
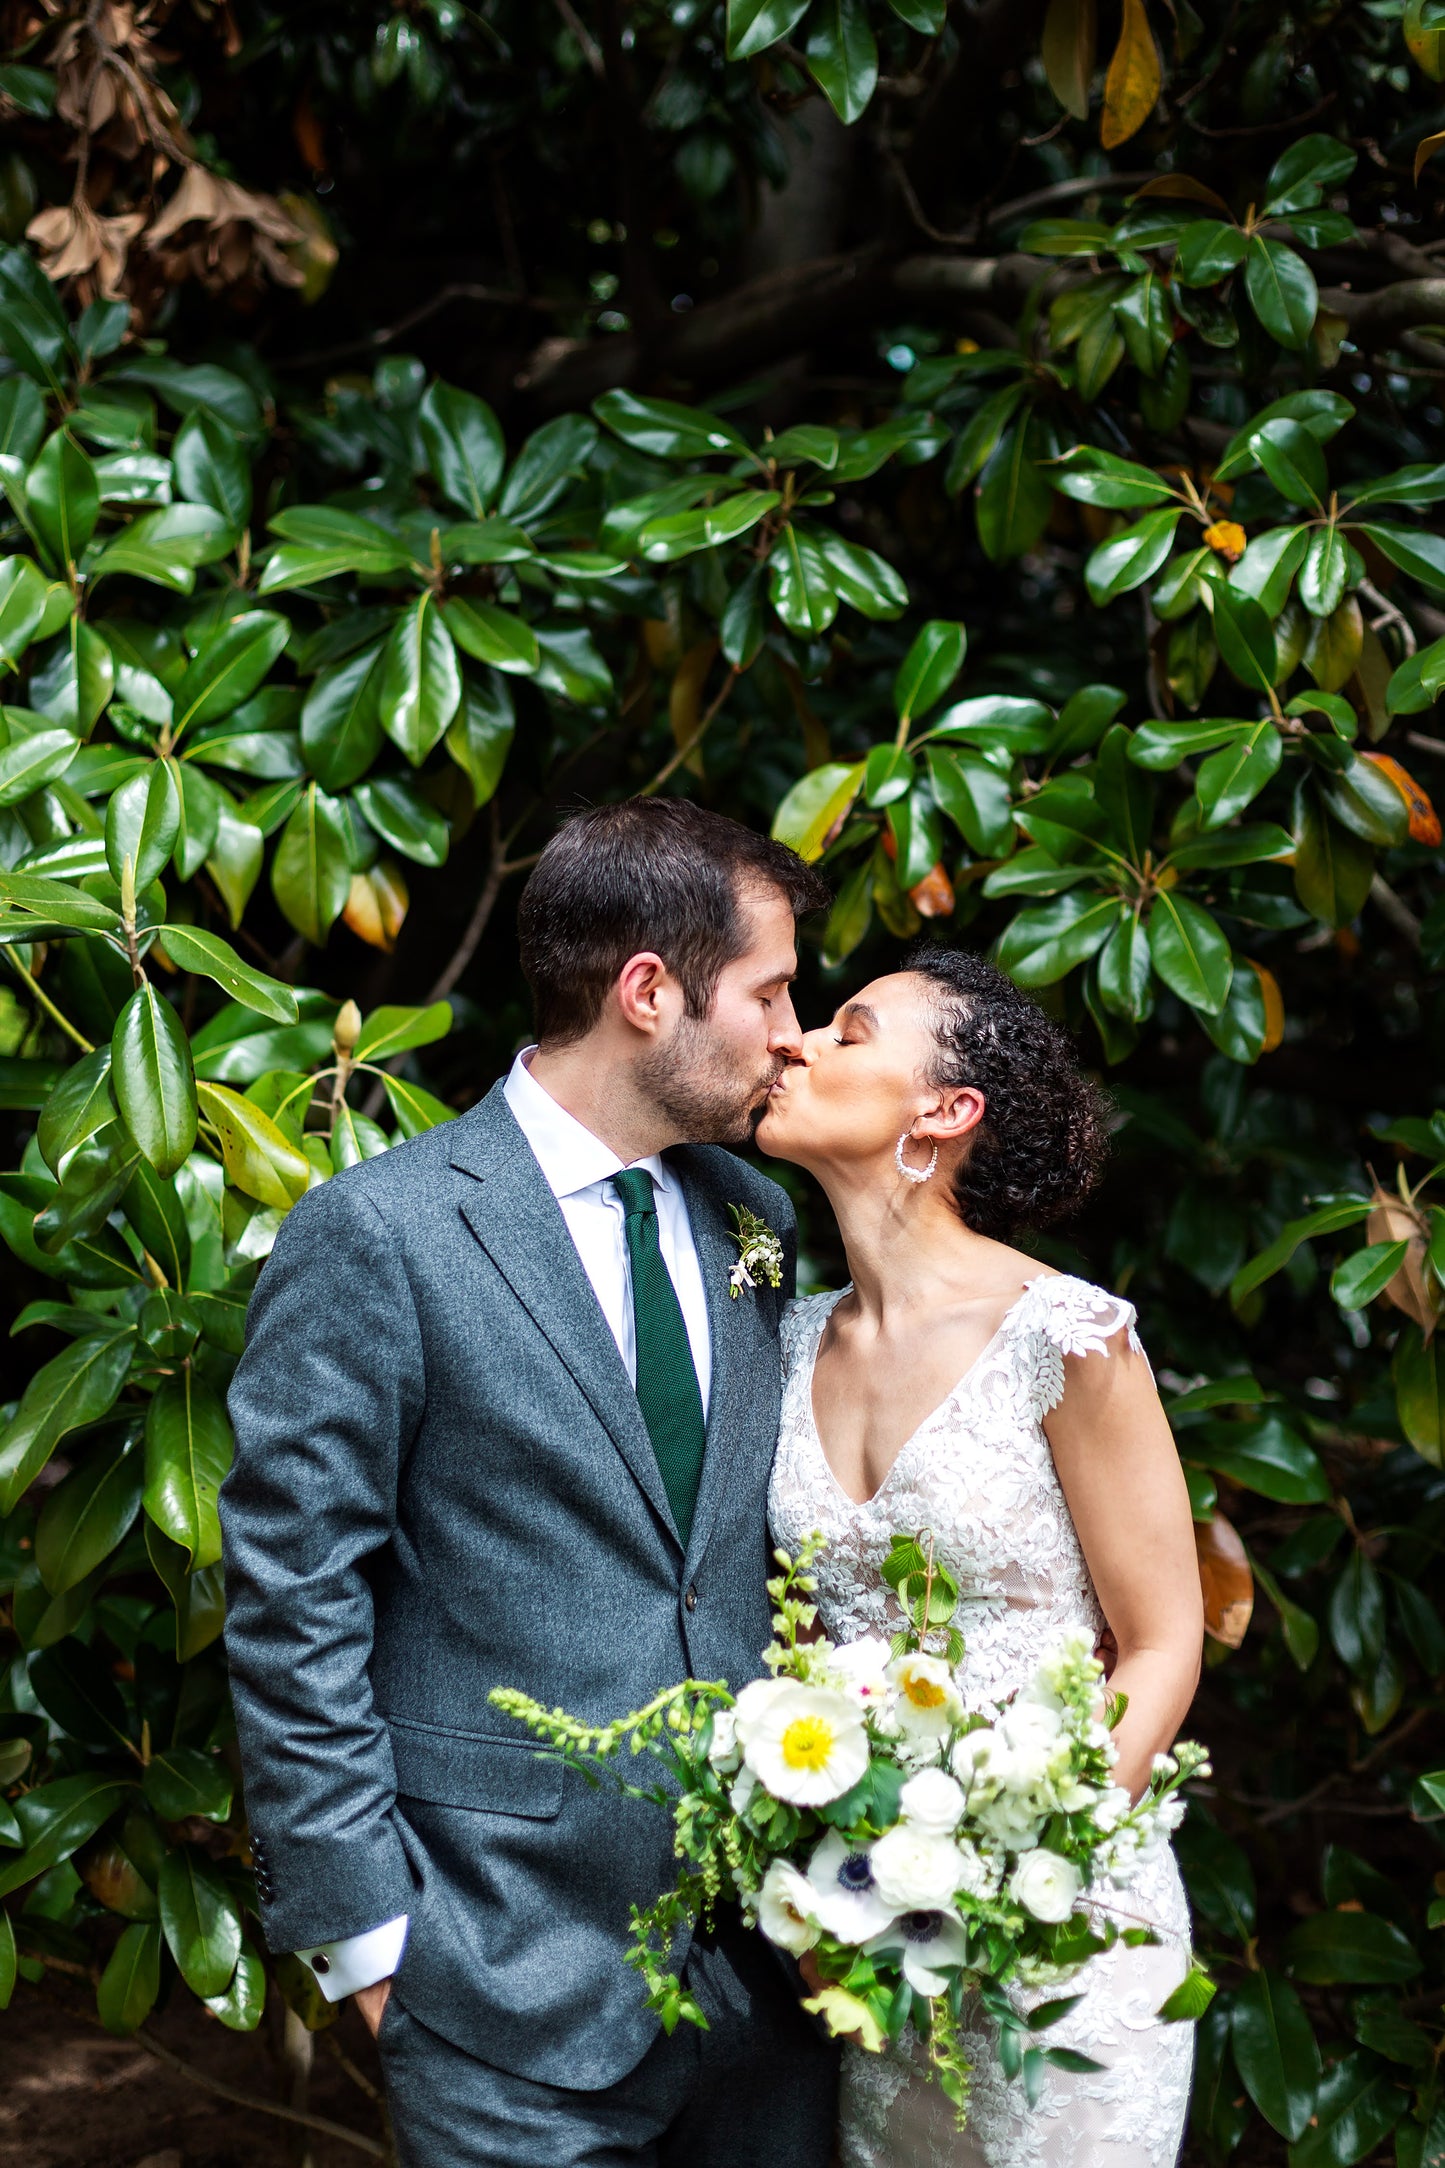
(578, 1169)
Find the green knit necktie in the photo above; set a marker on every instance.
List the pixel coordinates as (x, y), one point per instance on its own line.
(667, 1388)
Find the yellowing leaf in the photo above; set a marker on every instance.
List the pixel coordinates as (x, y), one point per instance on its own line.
(815, 804)
(1070, 40)
(1273, 1005)
(258, 1158)
(843, 2014)
(1425, 150)
(1131, 88)
(1226, 1580)
(377, 904)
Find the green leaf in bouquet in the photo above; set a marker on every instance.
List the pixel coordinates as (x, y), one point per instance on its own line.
(1190, 1999)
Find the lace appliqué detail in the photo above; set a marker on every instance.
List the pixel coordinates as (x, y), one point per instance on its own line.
(979, 1473)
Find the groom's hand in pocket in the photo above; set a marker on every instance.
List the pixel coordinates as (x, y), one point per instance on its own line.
(371, 2001)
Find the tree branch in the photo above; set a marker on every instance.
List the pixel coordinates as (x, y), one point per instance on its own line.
(1383, 317)
(238, 2099)
(466, 948)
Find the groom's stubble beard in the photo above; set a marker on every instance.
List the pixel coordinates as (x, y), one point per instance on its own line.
(695, 1082)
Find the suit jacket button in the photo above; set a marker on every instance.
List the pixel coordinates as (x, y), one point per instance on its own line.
(321, 1962)
(690, 1599)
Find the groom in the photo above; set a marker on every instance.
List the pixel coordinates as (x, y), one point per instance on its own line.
(501, 1422)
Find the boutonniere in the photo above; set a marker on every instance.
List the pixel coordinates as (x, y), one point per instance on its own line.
(760, 1253)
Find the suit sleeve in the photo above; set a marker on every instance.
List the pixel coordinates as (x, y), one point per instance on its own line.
(325, 1400)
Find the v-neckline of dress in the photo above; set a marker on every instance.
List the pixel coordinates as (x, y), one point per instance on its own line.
(860, 1505)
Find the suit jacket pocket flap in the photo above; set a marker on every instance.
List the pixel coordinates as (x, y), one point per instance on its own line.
(472, 1769)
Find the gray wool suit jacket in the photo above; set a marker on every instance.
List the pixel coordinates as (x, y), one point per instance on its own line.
(443, 1484)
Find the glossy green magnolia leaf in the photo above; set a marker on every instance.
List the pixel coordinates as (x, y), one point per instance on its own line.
(1282, 292)
(1097, 477)
(56, 1819)
(1326, 1219)
(816, 805)
(1292, 459)
(198, 1599)
(1245, 636)
(1146, 320)
(75, 686)
(842, 55)
(188, 1448)
(1333, 866)
(1360, 1278)
(572, 665)
(551, 457)
(1233, 778)
(1420, 1392)
(754, 25)
(1125, 970)
(74, 1388)
(1014, 494)
(1421, 555)
(1333, 645)
(127, 1990)
(889, 773)
(1130, 558)
(480, 737)
(800, 585)
(64, 498)
(142, 823)
(1001, 720)
(258, 1158)
(153, 1080)
(1358, 2104)
(978, 439)
(929, 668)
(493, 636)
(341, 719)
(1324, 572)
(200, 1919)
(22, 607)
(464, 446)
(412, 1109)
(1190, 951)
(9, 1970)
(235, 862)
(1045, 941)
(404, 819)
(1244, 846)
(860, 576)
(191, 948)
(1208, 251)
(1266, 570)
(1418, 485)
(211, 465)
(1276, 2050)
(87, 1515)
(681, 534)
(666, 429)
(1353, 1947)
(311, 871)
(79, 1105)
(421, 680)
(27, 764)
(241, 2007)
(975, 797)
(1265, 1456)
(227, 667)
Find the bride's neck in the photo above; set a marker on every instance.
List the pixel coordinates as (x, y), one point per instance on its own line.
(905, 1244)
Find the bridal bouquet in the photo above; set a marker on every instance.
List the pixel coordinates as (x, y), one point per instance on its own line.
(920, 1849)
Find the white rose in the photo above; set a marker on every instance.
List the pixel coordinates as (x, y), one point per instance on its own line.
(932, 1800)
(784, 1904)
(1046, 1885)
(916, 1870)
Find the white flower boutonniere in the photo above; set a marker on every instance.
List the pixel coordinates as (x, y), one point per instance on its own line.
(760, 1253)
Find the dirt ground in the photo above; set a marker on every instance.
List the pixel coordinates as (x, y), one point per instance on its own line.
(72, 2097)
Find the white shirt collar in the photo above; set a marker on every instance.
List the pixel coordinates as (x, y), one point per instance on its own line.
(570, 1157)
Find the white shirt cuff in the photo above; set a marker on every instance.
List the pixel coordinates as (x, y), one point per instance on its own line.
(358, 1960)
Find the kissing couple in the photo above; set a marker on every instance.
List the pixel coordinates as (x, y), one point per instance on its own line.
(510, 1415)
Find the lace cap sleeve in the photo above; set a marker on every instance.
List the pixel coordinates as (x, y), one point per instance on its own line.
(799, 1320)
(1071, 1317)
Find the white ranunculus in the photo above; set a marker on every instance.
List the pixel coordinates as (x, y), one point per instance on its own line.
(807, 1745)
(933, 1800)
(846, 1899)
(921, 1942)
(861, 1670)
(1046, 1885)
(784, 1909)
(928, 1703)
(916, 1869)
(753, 1700)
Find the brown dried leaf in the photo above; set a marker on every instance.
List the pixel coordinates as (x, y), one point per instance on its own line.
(1392, 1220)
(1226, 1580)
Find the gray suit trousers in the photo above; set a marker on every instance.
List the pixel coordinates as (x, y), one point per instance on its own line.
(758, 2089)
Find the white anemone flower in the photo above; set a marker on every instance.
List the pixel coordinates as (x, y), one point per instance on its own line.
(785, 1909)
(928, 1703)
(916, 1869)
(752, 1701)
(1046, 1884)
(923, 1941)
(808, 1746)
(846, 1900)
(933, 1800)
(861, 1670)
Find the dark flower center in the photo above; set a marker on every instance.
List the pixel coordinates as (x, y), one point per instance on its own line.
(855, 1872)
(921, 1926)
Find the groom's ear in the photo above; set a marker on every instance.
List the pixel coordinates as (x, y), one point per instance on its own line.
(958, 1109)
(645, 992)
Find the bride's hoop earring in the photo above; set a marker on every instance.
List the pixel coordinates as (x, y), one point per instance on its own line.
(914, 1174)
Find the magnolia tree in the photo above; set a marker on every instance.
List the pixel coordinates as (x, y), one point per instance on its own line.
(1065, 579)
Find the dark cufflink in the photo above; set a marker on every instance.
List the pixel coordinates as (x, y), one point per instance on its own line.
(321, 1962)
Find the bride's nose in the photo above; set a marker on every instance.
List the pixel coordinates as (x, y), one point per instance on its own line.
(812, 1045)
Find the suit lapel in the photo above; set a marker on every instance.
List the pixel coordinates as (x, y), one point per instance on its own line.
(516, 1219)
(741, 1341)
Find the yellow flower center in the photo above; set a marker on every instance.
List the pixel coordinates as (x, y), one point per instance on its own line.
(924, 1693)
(807, 1743)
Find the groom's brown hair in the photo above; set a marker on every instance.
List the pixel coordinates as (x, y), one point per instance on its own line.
(651, 873)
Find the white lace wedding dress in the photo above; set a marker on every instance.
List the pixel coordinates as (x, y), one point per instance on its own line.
(978, 1472)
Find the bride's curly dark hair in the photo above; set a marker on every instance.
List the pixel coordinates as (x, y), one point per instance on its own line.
(1041, 1146)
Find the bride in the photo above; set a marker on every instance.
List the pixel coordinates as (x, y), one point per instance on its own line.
(959, 1386)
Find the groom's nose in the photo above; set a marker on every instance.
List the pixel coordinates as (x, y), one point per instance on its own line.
(786, 1034)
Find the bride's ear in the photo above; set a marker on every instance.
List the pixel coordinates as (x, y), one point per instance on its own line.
(957, 1109)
